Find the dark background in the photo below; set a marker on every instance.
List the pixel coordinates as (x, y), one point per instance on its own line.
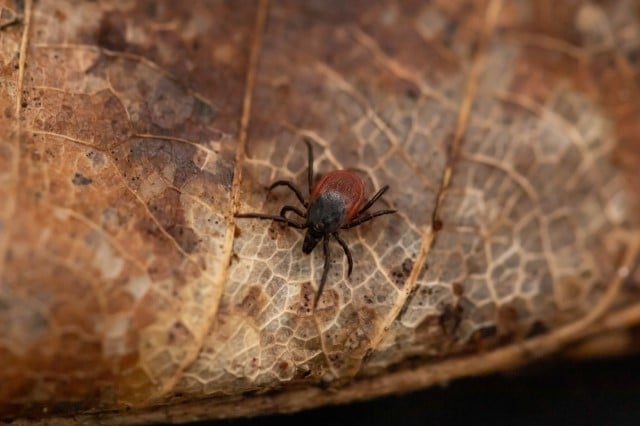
(604, 392)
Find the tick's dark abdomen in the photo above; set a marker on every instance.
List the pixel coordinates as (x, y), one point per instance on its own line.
(343, 184)
(326, 213)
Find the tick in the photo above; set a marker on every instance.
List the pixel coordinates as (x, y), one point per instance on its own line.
(336, 201)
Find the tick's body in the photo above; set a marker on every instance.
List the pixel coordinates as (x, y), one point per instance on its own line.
(346, 185)
(335, 202)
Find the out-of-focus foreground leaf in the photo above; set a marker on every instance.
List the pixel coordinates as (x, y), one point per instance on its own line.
(131, 131)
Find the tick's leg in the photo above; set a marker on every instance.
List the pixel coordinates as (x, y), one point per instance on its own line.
(347, 252)
(292, 187)
(373, 200)
(272, 217)
(296, 210)
(325, 271)
(310, 166)
(362, 219)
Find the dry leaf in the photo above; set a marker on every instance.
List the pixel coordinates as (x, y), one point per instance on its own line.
(132, 132)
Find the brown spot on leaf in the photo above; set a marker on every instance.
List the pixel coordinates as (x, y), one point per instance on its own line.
(168, 211)
(336, 359)
(457, 289)
(276, 229)
(485, 333)
(398, 277)
(412, 93)
(328, 303)
(81, 180)
(178, 333)
(430, 329)
(253, 302)
(450, 319)
(111, 32)
(307, 295)
(538, 328)
(400, 274)
(407, 266)
(507, 320)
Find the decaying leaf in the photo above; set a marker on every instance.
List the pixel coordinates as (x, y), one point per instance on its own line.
(132, 131)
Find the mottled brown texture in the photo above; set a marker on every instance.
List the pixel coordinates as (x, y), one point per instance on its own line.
(132, 131)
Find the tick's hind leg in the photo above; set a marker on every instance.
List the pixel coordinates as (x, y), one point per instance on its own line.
(296, 210)
(292, 187)
(310, 165)
(347, 252)
(274, 217)
(364, 218)
(373, 199)
(325, 271)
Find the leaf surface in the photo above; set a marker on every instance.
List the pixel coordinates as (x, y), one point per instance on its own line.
(133, 131)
